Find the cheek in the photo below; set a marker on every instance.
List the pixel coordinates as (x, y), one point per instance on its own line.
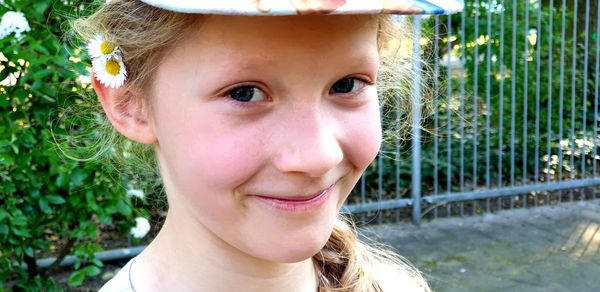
(202, 154)
(362, 135)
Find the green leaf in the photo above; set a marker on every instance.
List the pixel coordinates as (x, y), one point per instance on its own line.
(3, 229)
(97, 262)
(105, 219)
(6, 159)
(3, 214)
(28, 139)
(78, 176)
(91, 271)
(60, 180)
(40, 7)
(19, 221)
(43, 203)
(123, 208)
(42, 73)
(21, 232)
(29, 251)
(41, 49)
(55, 199)
(76, 278)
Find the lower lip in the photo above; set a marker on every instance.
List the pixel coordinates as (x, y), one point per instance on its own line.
(295, 206)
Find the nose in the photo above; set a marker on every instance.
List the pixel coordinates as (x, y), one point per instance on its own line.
(308, 143)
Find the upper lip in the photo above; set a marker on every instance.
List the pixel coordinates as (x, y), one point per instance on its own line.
(298, 197)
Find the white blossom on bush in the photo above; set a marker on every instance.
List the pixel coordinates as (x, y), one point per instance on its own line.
(142, 226)
(13, 22)
(136, 193)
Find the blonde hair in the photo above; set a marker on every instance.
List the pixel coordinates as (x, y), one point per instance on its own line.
(145, 33)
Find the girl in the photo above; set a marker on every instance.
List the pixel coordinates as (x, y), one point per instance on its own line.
(261, 126)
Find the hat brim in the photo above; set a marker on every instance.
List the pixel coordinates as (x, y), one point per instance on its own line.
(305, 7)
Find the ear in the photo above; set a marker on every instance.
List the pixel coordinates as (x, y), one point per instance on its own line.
(126, 111)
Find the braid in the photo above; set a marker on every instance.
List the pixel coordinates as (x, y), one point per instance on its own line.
(347, 264)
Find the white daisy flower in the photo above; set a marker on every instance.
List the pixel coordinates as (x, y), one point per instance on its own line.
(136, 193)
(142, 226)
(110, 71)
(13, 22)
(99, 47)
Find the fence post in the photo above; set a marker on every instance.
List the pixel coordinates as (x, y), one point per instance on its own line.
(416, 122)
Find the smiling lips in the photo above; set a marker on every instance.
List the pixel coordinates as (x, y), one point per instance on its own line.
(297, 203)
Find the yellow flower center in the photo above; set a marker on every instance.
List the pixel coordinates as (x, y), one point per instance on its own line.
(112, 67)
(106, 47)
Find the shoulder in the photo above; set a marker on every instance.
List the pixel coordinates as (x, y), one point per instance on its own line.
(120, 282)
(392, 277)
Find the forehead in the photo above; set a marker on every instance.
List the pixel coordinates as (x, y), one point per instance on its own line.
(267, 38)
(223, 50)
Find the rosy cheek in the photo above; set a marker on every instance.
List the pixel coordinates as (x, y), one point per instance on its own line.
(363, 136)
(201, 151)
(222, 157)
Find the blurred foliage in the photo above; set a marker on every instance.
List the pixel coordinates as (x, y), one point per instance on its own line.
(51, 206)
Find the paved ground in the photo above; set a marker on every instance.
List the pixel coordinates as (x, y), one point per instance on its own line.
(542, 249)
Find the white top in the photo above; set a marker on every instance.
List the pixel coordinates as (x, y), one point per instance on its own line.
(388, 278)
(121, 282)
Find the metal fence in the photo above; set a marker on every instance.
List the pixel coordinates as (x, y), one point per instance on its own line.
(510, 120)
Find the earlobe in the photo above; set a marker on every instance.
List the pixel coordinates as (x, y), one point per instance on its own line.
(126, 111)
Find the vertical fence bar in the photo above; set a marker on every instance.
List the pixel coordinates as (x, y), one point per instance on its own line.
(380, 183)
(525, 98)
(397, 186)
(513, 99)
(501, 99)
(487, 102)
(537, 99)
(562, 94)
(585, 90)
(597, 71)
(573, 83)
(549, 120)
(397, 152)
(475, 100)
(448, 115)
(462, 109)
(416, 122)
(436, 88)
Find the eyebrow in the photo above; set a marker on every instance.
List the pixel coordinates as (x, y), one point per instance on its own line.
(249, 63)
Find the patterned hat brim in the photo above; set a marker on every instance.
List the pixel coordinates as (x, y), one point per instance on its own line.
(304, 7)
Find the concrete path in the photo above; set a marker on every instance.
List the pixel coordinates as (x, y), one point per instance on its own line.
(541, 249)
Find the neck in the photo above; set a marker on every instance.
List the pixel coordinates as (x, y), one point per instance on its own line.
(187, 256)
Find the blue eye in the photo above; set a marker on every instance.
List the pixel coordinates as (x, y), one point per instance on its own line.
(247, 94)
(346, 85)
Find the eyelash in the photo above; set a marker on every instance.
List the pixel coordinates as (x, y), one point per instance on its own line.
(243, 104)
(247, 104)
(364, 82)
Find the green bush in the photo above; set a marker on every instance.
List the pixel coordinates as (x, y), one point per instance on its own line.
(51, 206)
(536, 82)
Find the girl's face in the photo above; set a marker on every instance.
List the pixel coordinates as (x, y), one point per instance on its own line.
(263, 127)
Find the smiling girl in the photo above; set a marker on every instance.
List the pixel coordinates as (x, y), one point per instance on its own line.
(261, 126)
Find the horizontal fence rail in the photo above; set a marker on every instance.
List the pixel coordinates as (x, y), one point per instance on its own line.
(505, 114)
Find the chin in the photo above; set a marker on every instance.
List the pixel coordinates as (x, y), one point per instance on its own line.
(301, 252)
(296, 246)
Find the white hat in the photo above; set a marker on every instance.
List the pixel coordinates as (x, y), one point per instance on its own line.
(301, 7)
